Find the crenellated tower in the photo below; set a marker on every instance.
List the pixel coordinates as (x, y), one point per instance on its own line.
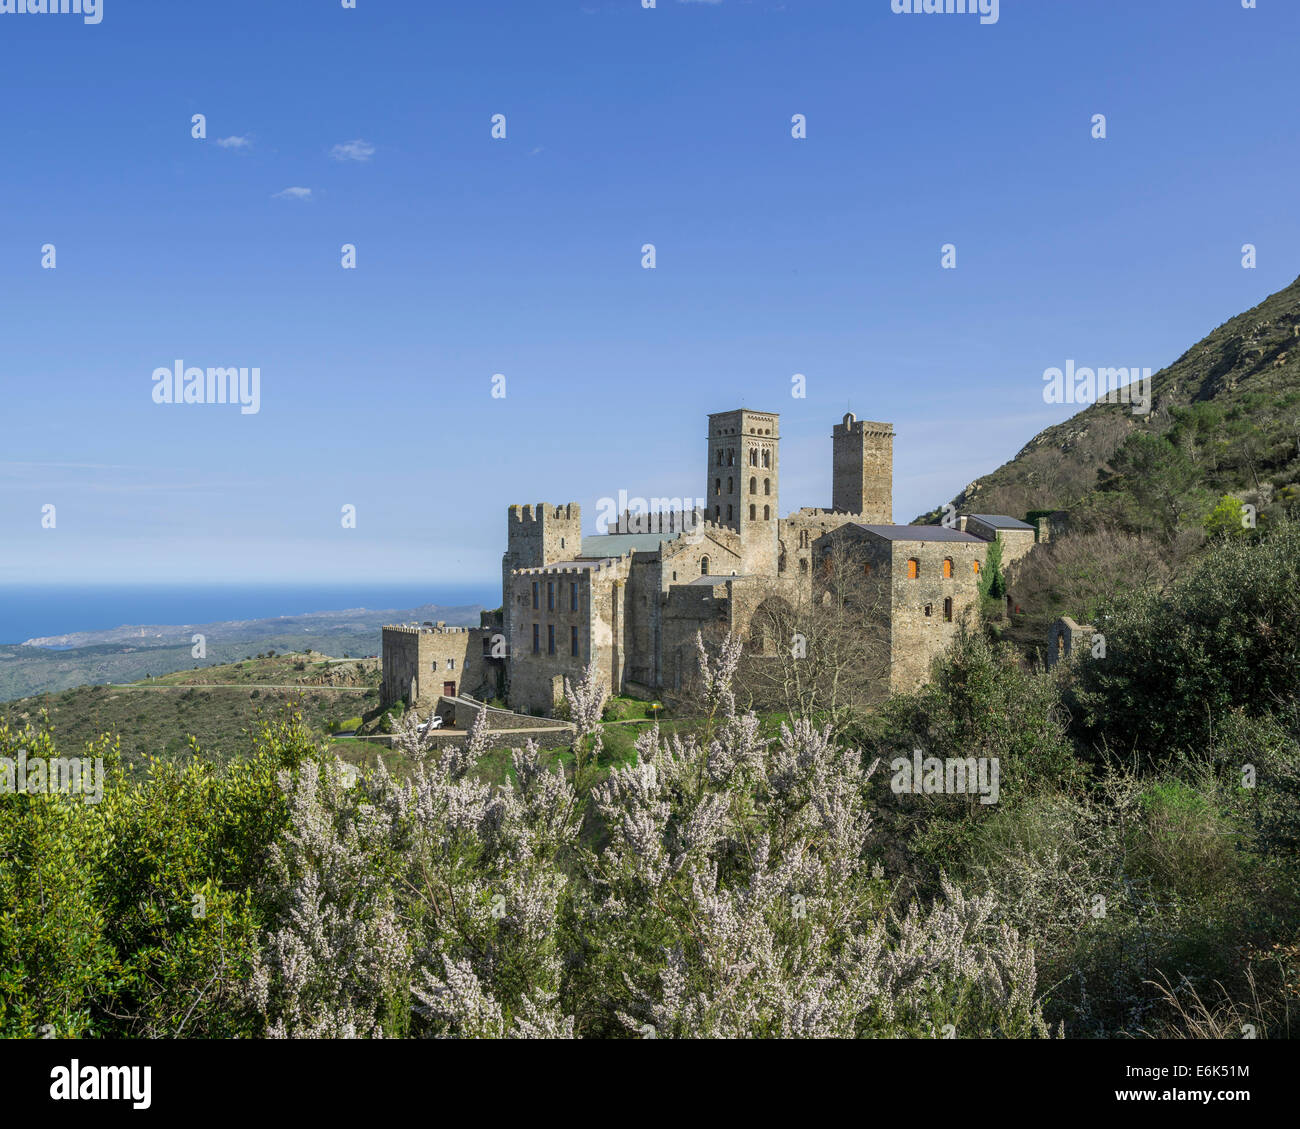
(863, 474)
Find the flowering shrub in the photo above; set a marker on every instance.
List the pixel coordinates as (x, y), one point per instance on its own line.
(730, 895)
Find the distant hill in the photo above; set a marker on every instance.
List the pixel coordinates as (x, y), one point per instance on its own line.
(1229, 410)
(218, 705)
(130, 653)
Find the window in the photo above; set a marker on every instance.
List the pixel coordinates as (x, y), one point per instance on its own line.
(550, 638)
(730, 515)
(731, 456)
(719, 456)
(717, 486)
(947, 568)
(913, 569)
(767, 486)
(731, 485)
(752, 515)
(928, 609)
(753, 485)
(433, 665)
(947, 609)
(976, 566)
(803, 564)
(866, 569)
(717, 513)
(534, 593)
(573, 596)
(767, 513)
(573, 640)
(550, 595)
(767, 458)
(561, 542)
(704, 566)
(803, 538)
(537, 645)
(753, 456)
(451, 664)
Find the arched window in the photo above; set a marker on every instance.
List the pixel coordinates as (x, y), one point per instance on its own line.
(717, 513)
(730, 515)
(752, 515)
(731, 456)
(719, 456)
(947, 609)
(753, 485)
(753, 456)
(767, 486)
(767, 513)
(803, 538)
(803, 564)
(929, 608)
(717, 486)
(767, 458)
(704, 566)
(913, 568)
(947, 568)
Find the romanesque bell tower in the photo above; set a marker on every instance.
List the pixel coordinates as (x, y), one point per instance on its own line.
(742, 489)
(863, 477)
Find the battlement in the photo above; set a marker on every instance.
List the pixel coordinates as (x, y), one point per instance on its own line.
(570, 511)
(422, 629)
(851, 425)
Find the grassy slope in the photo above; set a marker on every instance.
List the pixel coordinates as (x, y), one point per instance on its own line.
(218, 705)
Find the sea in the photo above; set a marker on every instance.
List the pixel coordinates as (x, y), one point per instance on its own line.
(34, 611)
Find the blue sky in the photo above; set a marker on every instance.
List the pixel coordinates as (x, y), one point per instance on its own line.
(522, 256)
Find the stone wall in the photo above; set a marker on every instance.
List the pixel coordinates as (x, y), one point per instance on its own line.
(922, 621)
(420, 664)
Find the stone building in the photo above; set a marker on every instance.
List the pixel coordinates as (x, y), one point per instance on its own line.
(633, 599)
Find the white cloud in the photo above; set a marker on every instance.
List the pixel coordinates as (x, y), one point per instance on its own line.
(234, 142)
(293, 194)
(353, 151)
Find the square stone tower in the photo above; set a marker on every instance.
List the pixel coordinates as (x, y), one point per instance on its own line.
(537, 536)
(742, 489)
(863, 476)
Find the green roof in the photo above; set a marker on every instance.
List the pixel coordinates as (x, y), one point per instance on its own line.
(616, 544)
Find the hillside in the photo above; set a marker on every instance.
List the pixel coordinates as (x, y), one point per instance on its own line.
(219, 705)
(133, 652)
(1230, 409)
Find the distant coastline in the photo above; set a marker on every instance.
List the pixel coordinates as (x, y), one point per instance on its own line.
(29, 611)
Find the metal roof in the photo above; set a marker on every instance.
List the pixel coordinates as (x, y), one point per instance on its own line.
(601, 545)
(1001, 521)
(919, 533)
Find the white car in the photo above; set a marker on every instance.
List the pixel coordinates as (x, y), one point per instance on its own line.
(434, 722)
